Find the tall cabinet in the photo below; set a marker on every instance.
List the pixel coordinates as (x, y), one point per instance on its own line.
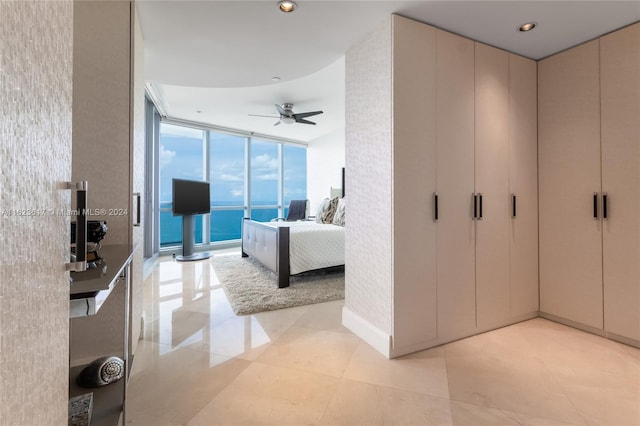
(487, 191)
(464, 143)
(414, 182)
(493, 283)
(589, 103)
(523, 185)
(456, 293)
(506, 225)
(620, 133)
(570, 232)
(108, 138)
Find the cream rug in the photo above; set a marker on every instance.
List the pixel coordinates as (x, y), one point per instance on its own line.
(252, 288)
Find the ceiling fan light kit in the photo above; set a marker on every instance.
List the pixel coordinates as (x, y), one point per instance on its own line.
(287, 116)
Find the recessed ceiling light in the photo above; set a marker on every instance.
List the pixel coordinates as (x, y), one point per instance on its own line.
(199, 111)
(275, 78)
(287, 6)
(527, 27)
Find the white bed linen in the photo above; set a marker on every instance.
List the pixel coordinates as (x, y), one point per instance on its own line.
(313, 245)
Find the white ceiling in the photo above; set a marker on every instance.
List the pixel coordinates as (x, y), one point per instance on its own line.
(218, 57)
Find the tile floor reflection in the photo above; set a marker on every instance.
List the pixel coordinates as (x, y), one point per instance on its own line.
(200, 364)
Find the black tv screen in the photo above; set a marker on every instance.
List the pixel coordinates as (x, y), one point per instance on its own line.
(190, 197)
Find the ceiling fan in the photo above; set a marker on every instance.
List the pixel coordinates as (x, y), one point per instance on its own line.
(287, 116)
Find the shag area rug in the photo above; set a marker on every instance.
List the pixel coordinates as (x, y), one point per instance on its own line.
(252, 288)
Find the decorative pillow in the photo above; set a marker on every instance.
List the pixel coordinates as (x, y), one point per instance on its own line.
(324, 205)
(327, 216)
(338, 218)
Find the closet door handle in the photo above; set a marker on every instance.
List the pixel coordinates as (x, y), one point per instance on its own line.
(480, 206)
(595, 205)
(435, 206)
(604, 206)
(475, 205)
(513, 205)
(138, 206)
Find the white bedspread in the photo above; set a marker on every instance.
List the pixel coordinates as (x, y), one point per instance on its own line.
(313, 245)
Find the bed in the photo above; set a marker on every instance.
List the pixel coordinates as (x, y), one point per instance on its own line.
(290, 248)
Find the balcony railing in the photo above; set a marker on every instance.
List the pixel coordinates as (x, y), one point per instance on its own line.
(225, 223)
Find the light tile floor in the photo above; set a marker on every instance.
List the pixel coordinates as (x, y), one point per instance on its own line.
(200, 364)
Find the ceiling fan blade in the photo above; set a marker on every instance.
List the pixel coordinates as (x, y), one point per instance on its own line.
(281, 110)
(303, 121)
(260, 115)
(306, 114)
(277, 123)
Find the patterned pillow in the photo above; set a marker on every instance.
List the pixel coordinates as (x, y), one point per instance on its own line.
(339, 217)
(324, 205)
(327, 216)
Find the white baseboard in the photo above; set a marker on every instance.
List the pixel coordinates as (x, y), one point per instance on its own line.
(593, 330)
(405, 350)
(362, 328)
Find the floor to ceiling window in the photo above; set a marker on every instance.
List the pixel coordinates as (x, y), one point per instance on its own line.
(181, 156)
(248, 177)
(227, 178)
(265, 180)
(294, 176)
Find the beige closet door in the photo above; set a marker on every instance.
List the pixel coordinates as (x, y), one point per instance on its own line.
(455, 176)
(492, 184)
(523, 183)
(414, 182)
(620, 83)
(569, 173)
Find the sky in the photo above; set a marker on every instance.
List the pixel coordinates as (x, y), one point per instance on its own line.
(181, 156)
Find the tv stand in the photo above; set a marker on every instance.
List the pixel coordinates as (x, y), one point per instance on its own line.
(188, 238)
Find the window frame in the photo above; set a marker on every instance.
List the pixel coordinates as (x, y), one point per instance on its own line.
(246, 207)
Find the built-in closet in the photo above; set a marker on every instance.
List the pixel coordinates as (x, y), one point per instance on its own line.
(506, 184)
(463, 170)
(486, 187)
(589, 148)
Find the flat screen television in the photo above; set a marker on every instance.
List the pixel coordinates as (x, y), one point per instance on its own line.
(190, 197)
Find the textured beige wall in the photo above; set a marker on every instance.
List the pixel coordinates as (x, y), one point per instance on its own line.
(108, 140)
(101, 111)
(35, 157)
(368, 158)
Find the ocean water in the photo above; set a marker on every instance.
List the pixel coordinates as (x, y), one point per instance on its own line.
(225, 224)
